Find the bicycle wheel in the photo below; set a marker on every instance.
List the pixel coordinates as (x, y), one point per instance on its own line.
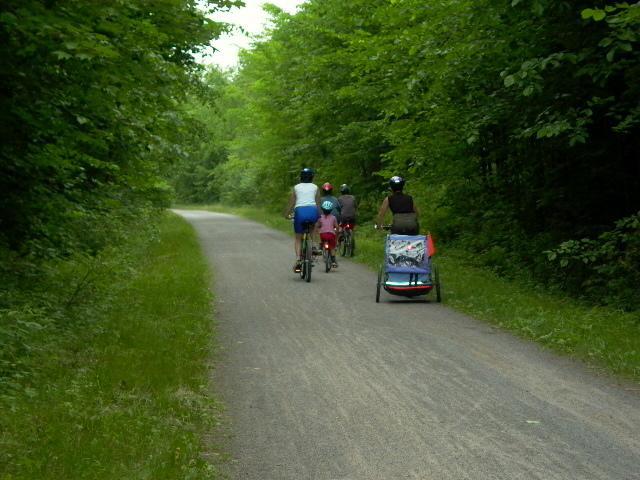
(378, 285)
(303, 253)
(327, 259)
(343, 244)
(346, 243)
(308, 261)
(352, 244)
(436, 281)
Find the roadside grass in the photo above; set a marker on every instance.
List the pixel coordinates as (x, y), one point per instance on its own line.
(125, 395)
(603, 337)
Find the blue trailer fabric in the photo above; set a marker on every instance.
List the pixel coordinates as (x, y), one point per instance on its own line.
(406, 254)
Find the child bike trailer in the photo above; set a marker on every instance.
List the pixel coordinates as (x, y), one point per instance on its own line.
(407, 269)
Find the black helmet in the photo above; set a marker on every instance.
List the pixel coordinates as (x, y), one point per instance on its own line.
(306, 174)
(396, 183)
(344, 188)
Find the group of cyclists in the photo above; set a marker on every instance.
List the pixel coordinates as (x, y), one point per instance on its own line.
(310, 204)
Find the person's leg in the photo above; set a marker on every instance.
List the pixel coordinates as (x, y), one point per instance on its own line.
(297, 243)
(297, 228)
(332, 249)
(310, 215)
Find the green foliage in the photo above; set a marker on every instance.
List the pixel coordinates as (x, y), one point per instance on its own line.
(192, 175)
(43, 303)
(515, 123)
(608, 266)
(91, 119)
(104, 364)
(90, 112)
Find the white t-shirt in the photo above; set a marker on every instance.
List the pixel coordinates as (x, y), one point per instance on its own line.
(305, 194)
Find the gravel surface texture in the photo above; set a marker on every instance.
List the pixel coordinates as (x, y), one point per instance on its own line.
(320, 382)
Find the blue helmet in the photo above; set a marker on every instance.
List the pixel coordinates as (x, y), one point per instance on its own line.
(306, 175)
(327, 206)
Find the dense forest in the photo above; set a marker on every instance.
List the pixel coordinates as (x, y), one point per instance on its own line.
(91, 115)
(516, 124)
(92, 118)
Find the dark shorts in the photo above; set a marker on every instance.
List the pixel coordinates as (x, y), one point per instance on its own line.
(405, 224)
(304, 215)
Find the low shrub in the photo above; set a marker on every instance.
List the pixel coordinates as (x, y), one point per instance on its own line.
(606, 268)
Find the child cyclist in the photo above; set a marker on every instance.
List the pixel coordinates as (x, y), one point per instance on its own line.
(327, 225)
(327, 195)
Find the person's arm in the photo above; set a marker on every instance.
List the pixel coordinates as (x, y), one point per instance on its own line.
(415, 208)
(383, 210)
(318, 201)
(292, 202)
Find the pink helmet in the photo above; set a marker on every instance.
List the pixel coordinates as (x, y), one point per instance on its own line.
(327, 187)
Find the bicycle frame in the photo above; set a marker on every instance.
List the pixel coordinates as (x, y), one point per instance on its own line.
(306, 252)
(326, 255)
(346, 248)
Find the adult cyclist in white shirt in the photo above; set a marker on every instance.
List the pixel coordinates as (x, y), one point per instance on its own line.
(304, 201)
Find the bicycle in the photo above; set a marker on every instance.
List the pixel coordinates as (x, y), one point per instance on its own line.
(306, 251)
(326, 256)
(348, 242)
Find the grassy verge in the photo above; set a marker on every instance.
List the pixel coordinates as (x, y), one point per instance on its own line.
(122, 394)
(603, 337)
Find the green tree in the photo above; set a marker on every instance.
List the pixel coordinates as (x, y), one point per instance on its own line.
(90, 113)
(516, 123)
